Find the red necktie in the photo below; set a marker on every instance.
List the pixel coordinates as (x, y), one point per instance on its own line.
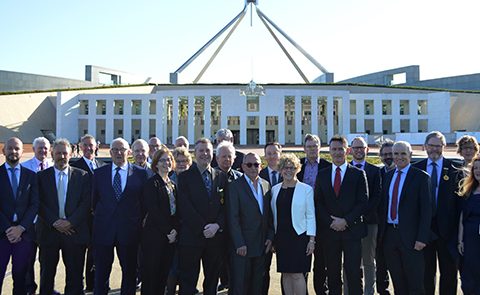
(393, 206)
(337, 182)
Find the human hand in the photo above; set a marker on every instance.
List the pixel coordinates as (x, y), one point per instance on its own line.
(338, 224)
(310, 247)
(14, 233)
(64, 226)
(419, 246)
(210, 230)
(242, 251)
(172, 236)
(460, 248)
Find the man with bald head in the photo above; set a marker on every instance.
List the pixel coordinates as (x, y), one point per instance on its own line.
(117, 209)
(154, 145)
(405, 216)
(18, 208)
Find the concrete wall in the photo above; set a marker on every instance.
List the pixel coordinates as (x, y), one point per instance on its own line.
(15, 81)
(464, 82)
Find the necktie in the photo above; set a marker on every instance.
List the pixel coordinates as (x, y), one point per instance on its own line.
(274, 178)
(117, 184)
(337, 182)
(42, 166)
(434, 181)
(208, 182)
(61, 194)
(359, 166)
(14, 181)
(393, 206)
(92, 166)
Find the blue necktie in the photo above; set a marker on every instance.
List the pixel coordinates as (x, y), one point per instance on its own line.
(274, 178)
(434, 180)
(14, 181)
(117, 184)
(208, 182)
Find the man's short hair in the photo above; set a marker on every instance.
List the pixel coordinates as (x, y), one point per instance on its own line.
(202, 140)
(360, 138)
(87, 136)
(438, 135)
(226, 145)
(122, 140)
(403, 143)
(278, 145)
(386, 143)
(62, 141)
(312, 137)
(39, 140)
(224, 133)
(339, 138)
(142, 142)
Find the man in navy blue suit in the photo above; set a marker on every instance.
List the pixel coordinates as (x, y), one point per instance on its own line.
(117, 220)
(18, 207)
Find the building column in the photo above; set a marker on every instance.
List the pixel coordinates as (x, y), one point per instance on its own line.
(413, 106)
(395, 115)
(243, 129)
(127, 120)
(298, 120)
(330, 119)
(191, 119)
(174, 119)
(314, 103)
(160, 119)
(360, 108)
(345, 111)
(377, 112)
(92, 116)
(207, 113)
(145, 119)
(109, 122)
(281, 123)
(262, 126)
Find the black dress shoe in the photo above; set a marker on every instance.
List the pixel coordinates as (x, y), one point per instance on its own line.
(222, 287)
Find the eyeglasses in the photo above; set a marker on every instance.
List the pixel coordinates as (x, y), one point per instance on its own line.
(249, 165)
(434, 146)
(291, 168)
(358, 147)
(121, 150)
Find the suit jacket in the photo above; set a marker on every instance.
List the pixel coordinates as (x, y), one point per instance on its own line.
(447, 204)
(77, 206)
(321, 165)
(197, 209)
(158, 222)
(25, 205)
(32, 164)
(248, 226)
(374, 190)
(303, 208)
(80, 163)
(414, 208)
(264, 174)
(350, 204)
(117, 221)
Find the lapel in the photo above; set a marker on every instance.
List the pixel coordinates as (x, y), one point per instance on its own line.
(406, 183)
(71, 189)
(444, 175)
(23, 182)
(52, 190)
(346, 178)
(6, 181)
(328, 178)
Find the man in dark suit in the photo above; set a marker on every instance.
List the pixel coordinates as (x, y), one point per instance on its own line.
(201, 209)
(341, 198)
(311, 164)
(88, 162)
(382, 278)
(359, 150)
(64, 194)
(406, 212)
(18, 208)
(272, 154)
(251, 229)
(117, 208)
(225, 152)
(444, 180)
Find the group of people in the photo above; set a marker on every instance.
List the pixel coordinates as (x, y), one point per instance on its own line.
(165, 214)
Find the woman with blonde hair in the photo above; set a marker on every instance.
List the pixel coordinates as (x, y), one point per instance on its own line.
(469, 229)
(294, 221)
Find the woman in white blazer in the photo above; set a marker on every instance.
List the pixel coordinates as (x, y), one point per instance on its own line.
(294, 221)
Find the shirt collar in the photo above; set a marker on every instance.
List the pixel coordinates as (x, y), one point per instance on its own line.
(404, 170)
(343, 167)
(8, 166)
(317, 161)
(203, 170)
(270, 170)
(57, 171)
(356, 163)
(439, 162)
(124, 167)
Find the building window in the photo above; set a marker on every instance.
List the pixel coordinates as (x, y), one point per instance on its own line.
(369, 107)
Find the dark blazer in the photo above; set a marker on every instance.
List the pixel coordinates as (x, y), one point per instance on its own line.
(248, 226)
(77, 206)
(197, 209)
(350, 204)
(80, 163)
(25, 205)
(447, 203)
(158, 222)
(117, 221)
(321, 165)
(264, 174)
(374, 191)
(414, 209)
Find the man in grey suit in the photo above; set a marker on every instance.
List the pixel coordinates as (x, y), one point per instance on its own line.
(64, 193)
(251, 229)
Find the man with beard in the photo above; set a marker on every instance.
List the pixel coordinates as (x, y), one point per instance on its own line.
(64, 194)
(18, 208)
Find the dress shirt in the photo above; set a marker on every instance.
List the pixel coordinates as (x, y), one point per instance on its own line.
(65, 183)
(257, 192)
(17, 173)
(270, 170)
(311, 171)
(343, 169)
(355, 163)
(123, 174)
(390, 192)
(90, 163)
(439, 163)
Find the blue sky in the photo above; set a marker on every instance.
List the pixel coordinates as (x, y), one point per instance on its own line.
(153, 38)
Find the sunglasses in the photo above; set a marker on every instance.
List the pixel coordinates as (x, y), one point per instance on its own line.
(249, 165)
